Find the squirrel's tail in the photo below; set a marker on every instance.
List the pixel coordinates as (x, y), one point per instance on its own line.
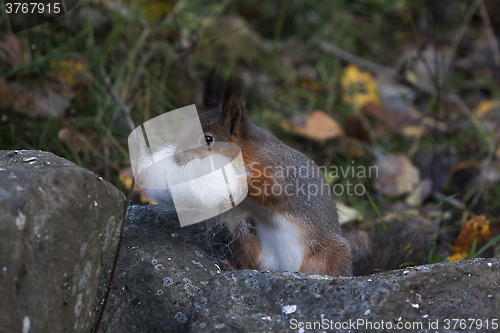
(398, 243)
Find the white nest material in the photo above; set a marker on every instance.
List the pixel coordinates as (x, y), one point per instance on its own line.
(196, 189)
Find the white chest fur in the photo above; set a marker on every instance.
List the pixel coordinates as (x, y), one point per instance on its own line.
(282, 248)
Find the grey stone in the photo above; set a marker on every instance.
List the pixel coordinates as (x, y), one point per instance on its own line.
(59, 225)
(252, 301)
(161, 267)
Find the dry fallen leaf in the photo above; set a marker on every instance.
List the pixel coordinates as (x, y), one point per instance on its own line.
(319, 126)
(396, 175)
(309, 84)
(406, 120)
(355, 127)
(11, 52)
(359, 87)
(347, 214)
(420, 193)
(41, 98)
(478, 227)
(126, 176)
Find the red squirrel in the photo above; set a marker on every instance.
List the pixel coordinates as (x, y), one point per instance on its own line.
(288, 228)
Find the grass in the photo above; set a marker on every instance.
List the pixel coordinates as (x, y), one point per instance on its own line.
(148, 59)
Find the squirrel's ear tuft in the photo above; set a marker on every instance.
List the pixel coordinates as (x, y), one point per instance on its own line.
(232, 105)
(213, 90)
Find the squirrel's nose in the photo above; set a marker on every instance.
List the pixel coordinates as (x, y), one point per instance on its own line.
(182, 157)
(179, 157)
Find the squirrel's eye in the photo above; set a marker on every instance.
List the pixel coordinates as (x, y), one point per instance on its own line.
(209, 139)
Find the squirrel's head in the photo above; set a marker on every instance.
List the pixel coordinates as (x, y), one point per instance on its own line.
(221, 120)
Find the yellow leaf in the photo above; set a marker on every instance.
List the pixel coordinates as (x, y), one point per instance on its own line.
(459, 256)
(486, 106)
(359, 87)
(477, 227)
(415, 131)
(155, 11)
(72, 70)
(411, 77)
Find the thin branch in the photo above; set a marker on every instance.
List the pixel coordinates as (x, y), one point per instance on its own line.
(382, 70)
(125, 109)
(489, 32)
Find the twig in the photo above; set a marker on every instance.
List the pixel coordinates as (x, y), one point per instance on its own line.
(358, 61)
(379, 69)
(125, 109)
(489, 32)
(484, 169)
(452, 201)
(178, 6)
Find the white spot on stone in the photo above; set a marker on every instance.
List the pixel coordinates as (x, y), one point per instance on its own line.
(109, 230)
(83, 249)
(367, 312)
(95, 203)
(287, 309)
(78, 306)
(197, 263)
(490, 264)
(26, 324)
(29, 159)
(301, 330)
(86, 274)
(19, 188)
(416, 306)
(168, 281)
(159, 267)
(181, 317)
(40, 189)
(20, 221)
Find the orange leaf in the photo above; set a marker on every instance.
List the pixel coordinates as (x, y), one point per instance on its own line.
(319, 126)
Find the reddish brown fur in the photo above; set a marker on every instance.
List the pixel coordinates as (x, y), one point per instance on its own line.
(246, 246)
(333, 259)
